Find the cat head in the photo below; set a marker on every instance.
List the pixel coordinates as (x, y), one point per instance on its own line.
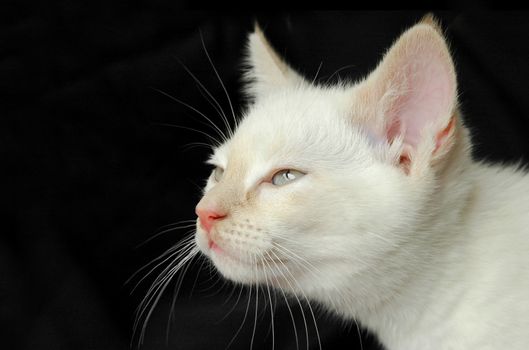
(322, 182)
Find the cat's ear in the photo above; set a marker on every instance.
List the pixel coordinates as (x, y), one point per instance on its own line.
(414, 94)
(265, 70)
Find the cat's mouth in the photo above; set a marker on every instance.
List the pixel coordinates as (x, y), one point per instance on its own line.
(246, 264)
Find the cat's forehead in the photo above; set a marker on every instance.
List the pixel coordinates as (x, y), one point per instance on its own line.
(290, 114)
(284, 124)
(289, 129)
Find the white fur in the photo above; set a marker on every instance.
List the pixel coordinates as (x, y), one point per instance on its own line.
(430, 254)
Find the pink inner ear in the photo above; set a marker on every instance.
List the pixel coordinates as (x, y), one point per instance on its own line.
(426, 96)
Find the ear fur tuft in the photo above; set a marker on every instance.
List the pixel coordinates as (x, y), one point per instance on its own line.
(265, 70)
(432, 21)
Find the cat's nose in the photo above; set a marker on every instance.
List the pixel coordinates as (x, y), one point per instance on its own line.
(208, 217)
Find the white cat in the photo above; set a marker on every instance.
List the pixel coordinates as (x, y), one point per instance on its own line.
(364, 198)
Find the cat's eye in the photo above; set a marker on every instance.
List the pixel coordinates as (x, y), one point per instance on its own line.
(286, 176)
(217, 174)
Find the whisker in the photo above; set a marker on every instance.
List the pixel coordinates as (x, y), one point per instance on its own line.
(191, 145)
(256, 307)
(219, 289)
(218, 76)
(204, 260)
(214, 104)
(202, 114)
(337, 71)
(359, 335)
(286, 301)
(197, 186)
(306, 299)
(317, 72)
(175, 260)
(212, 124)
(295, 295)
(171, 251)
(176, 223)
(285, 238)
(296, 258)
(230, 295)
(156, 291)
(211, 99)
(164, 276)
(159, 292)
(158, 234)
(243, 320)
(211, 138)
(271, 305)
(233, 307)
(176, 291)
(213, 274)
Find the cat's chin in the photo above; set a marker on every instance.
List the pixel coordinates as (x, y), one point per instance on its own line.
(228, 264)
(260, 273)
(237, 269)
(233, 268)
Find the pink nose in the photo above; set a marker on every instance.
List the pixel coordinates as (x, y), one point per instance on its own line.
(208, 217)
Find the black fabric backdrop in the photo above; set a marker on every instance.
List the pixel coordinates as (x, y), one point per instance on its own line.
(90, 172)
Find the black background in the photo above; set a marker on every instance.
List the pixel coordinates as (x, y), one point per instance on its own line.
(90, 171)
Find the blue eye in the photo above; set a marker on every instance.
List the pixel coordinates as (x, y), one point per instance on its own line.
(286, 176)
(217, 174)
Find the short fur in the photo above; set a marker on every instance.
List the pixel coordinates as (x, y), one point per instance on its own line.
(394, 224)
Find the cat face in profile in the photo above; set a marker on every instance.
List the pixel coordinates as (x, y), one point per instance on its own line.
(364, 198)
(320, 187)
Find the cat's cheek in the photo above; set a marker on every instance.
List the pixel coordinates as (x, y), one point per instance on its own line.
(270, 194)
